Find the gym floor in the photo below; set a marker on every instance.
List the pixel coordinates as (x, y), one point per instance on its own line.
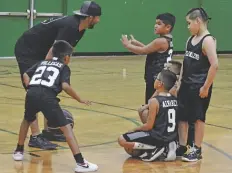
(116, 94)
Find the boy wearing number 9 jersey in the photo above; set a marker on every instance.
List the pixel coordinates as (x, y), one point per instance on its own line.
(44, 81)
(159, 131)
(158, 52)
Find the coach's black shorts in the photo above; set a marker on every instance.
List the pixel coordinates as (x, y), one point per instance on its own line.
(40, 99)
(191, 106)
(25, 58)
(24, 64)
(142, 137)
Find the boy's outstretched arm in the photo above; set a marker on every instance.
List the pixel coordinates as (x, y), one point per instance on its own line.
(71, 92)
(136, 42)
(159, 44)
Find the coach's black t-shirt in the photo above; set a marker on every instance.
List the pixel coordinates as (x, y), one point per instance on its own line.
(36, 42)
(49, 74)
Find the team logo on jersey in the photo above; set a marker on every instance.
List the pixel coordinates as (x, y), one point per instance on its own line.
(169, 103)
(192, 55)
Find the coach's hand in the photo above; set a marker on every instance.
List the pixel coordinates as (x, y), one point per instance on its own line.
(204, 92)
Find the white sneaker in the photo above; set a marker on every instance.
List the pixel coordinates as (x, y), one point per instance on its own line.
(18, 156)
(86, 167)
(171, 156)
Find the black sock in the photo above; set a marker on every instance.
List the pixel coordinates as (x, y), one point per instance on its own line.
(191, 134)
(182, 149)
(79, 158)
(20, 148)
(198, 148)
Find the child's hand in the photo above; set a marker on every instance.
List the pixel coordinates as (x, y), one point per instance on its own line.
(142, 108)
(86, 102)
(125, 40)
(132, 38)
(203, 92)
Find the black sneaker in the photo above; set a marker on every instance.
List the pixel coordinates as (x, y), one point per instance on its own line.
(40, 142)
(181, 150)
(192, 155)
(198, 151)
(59, 137)
(152, 155)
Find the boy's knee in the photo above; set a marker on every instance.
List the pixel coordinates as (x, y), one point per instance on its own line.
(121, 141)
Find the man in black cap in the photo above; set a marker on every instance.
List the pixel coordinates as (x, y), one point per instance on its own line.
(35, 45)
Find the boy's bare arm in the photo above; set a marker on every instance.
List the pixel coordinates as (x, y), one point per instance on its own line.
(71, 92)
(136, 42)
(153, 110)
(173, 91)
(159, 44)
(49, 54)
(209, 48)
(26, 79)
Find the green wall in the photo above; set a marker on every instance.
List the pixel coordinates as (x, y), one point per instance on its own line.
(135, 17)
(221, 24)
(119, 17)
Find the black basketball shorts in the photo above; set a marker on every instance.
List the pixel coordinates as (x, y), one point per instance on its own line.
(142, 137)
(24, 63)
(39, 99)
(191, 106)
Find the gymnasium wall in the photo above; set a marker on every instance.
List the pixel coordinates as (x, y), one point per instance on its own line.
(119, 17)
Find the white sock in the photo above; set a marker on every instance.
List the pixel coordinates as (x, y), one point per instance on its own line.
(142, 146)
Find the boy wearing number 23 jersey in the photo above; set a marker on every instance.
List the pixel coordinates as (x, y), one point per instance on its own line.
(158, 52)
(44, 81)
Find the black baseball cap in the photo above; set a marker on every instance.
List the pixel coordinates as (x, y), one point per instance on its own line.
(89, 8)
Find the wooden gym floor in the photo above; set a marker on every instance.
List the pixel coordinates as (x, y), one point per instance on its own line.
(113, 112)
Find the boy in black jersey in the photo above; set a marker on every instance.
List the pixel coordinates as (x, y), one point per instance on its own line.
(44, 81)
(35, 45)
(158, 52)
(198, 72)
(160, 129)
(173, 66)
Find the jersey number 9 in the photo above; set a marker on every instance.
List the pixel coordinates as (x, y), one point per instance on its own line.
(171, 120)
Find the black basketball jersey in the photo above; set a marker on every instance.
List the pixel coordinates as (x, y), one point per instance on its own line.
(165, 128)
(196, 65)
(49, 74)
(36, 42)
(155, 61)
